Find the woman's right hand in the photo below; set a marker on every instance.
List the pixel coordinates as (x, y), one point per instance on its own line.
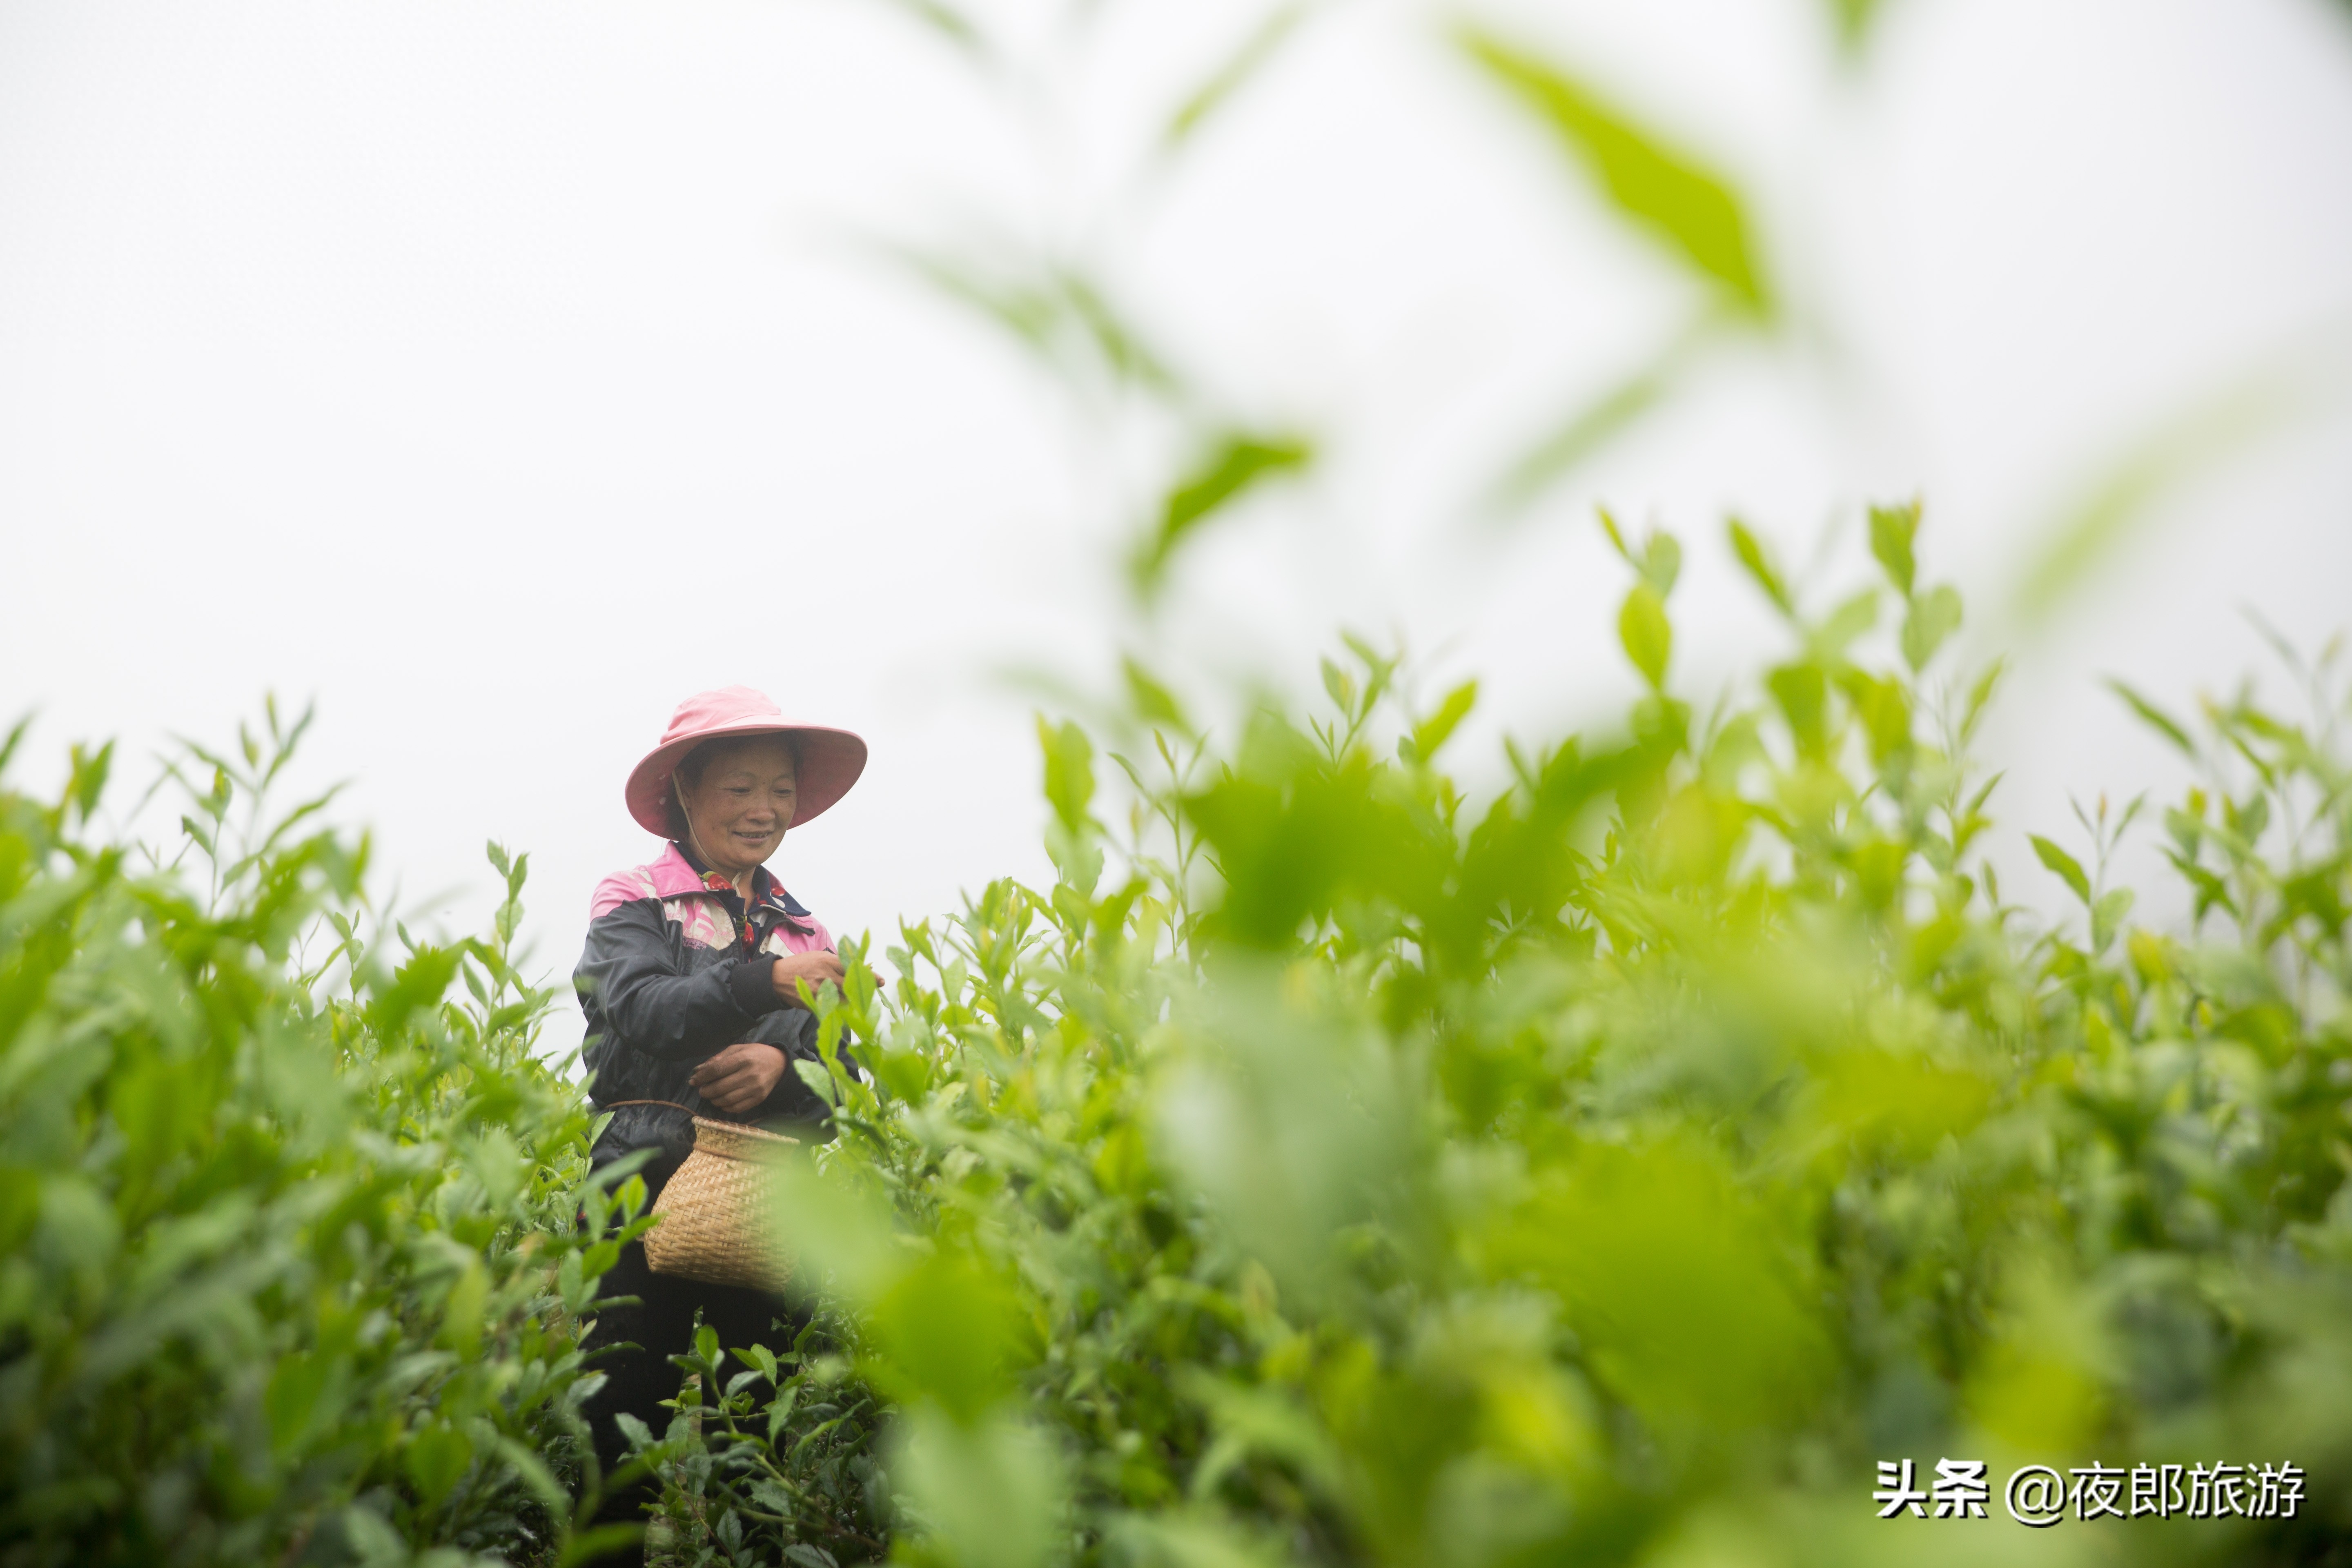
(816, 968)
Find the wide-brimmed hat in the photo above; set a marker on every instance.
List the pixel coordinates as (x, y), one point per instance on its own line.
(830, 759)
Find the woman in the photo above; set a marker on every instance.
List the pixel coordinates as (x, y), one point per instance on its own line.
(690, 982)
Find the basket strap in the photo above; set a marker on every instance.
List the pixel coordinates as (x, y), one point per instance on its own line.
(616, 1104)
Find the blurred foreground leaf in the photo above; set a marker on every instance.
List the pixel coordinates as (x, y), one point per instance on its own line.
(1854, 20)
(2176, 451)
(1234, 465)
(1667, 193)
(1265, 42)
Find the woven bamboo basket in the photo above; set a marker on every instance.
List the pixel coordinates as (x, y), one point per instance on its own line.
(721, 1214)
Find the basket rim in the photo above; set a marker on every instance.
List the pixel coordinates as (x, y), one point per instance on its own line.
(738, 1129)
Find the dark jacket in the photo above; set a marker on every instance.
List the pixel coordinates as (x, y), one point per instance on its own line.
(675, 969)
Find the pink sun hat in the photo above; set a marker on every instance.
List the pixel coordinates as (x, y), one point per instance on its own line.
(830, 759)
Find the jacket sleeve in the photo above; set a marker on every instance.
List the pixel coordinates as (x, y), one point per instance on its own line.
(628, 968)
(792, 1030)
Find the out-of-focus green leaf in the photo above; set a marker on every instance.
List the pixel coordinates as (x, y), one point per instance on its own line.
(1839, 628)
(1069, 787)
(1673, 1282)
(1616, 537)
(943, 1333)
(1234, 465)
(2155, 718)
(1753, 557)
(15, 738)
(2211, 430)
(1264, 41)
(1853, 20)
(1433, 732)
(946, 21)
(1288, 1125)
(990, 1491)
(1661, 564)
(1162, 1541)
(1069, 770)
(91, 772)
(1659, 560)
(2068, 870)
(1933, 617)
(1892, 531)
(1589, 426)
(1153, 701)
(1060, 316)
(1647, 635)
(436, 1460)
(1340, 686)
(1661, 190)
(2107, 915)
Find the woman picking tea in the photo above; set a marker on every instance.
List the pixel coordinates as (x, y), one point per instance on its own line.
(690, 983)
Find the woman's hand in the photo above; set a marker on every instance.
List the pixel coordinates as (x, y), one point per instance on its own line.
(814, 967)
(740, 1077)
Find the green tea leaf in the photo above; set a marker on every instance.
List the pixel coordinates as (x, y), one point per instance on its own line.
(1265, 42)
(1232, 467)
(992, 1487)
(1069, 770)
(2107, 915)
(593, 1545)
(1758, 563)
(436, 1460)
(2215, 427)
(946, 21)
(1058, 316)
(1647, 635)
(1853, 20)
(945, 1334)
(1153, 701)
(1432, 731)
(90, 771)
(2065, 865)
(2155, 718)
(1892, 531)
(1662, 562)
(1660, 189)
(1934, 616)
(1849, 620)
(1616, 537)
(1591, 425)
(819, 1081)
(1981, 696)
(1340, 686)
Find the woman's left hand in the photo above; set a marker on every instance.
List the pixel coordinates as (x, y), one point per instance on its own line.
(739, 1077)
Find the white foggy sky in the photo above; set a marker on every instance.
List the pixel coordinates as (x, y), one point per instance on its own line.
(496, 374)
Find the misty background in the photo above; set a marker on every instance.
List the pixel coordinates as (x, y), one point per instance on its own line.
(493, 374)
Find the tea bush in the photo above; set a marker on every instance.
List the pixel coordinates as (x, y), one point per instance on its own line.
(1330, 1169)
(287, 1266)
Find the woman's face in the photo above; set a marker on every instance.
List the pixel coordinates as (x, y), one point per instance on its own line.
(739, 809)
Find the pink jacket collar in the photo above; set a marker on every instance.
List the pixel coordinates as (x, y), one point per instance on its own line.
(674, 877)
